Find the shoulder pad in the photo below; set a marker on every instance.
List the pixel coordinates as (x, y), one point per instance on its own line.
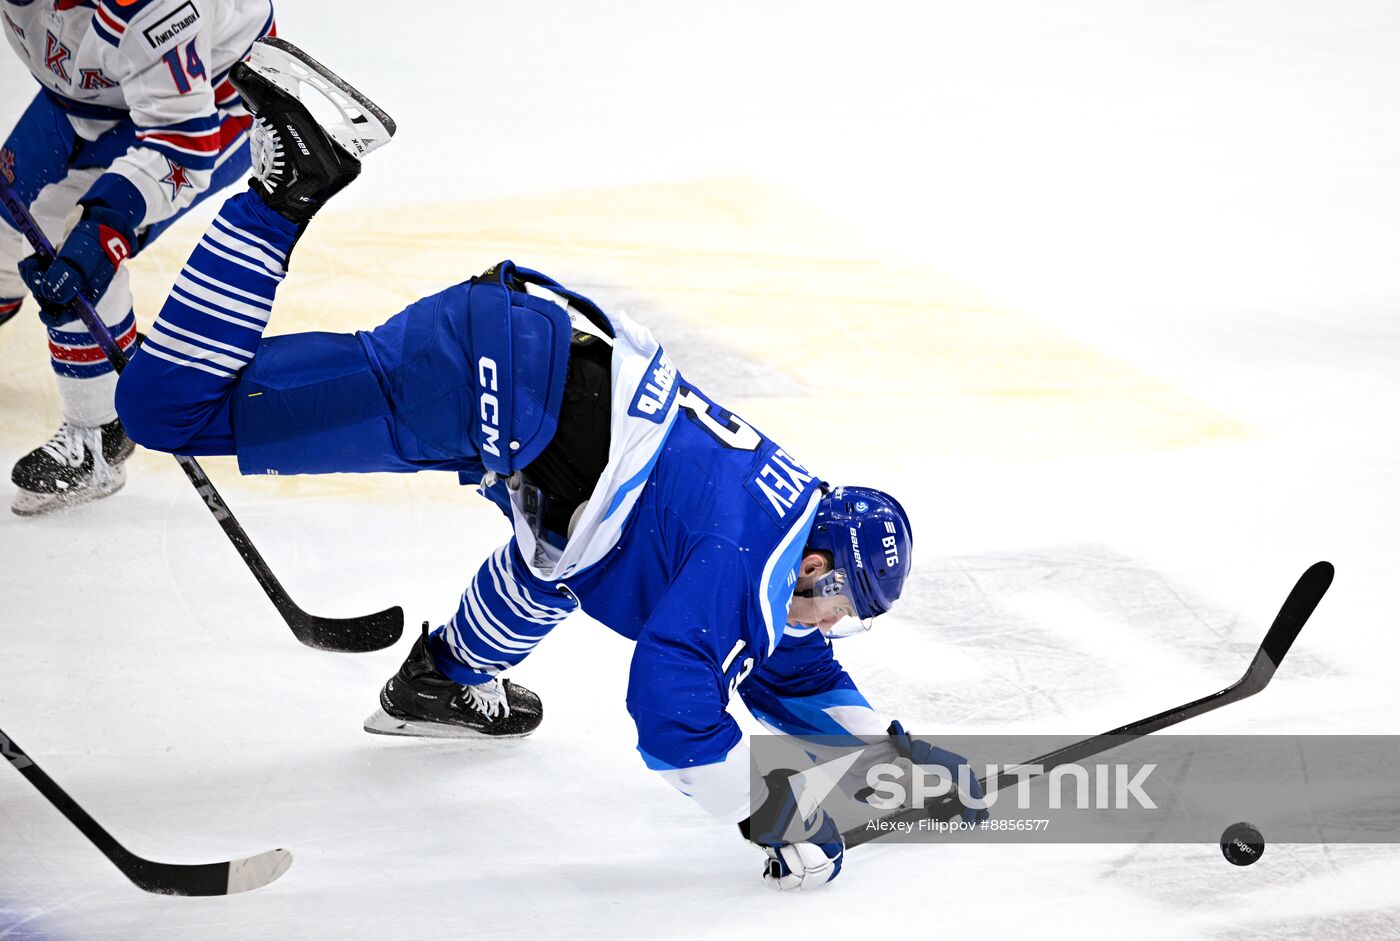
(124, 11)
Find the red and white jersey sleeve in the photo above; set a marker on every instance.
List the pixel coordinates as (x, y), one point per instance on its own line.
(163, 64)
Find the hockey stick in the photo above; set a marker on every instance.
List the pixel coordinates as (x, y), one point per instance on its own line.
(237, 875)
(1297, 608)
(348, 635)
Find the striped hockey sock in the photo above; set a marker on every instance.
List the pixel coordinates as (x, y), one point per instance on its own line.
(500, 621)
(86, 379)
(210, 325)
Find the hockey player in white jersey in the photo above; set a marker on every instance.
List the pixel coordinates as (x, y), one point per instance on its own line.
(631, 494)
(135, 121)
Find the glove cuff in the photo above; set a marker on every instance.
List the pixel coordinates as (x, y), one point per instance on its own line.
(902, 740)
(767, 823)
(115, 221)
(115, 193)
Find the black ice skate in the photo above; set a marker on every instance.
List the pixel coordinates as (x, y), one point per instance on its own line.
(418, 700)
(75, 466)
(299, 163)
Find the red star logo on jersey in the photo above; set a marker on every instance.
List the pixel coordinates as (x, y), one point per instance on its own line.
(177, 178)
(7, 165)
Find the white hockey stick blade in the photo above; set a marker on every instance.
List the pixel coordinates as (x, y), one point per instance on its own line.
(363, 126)
(257, 871)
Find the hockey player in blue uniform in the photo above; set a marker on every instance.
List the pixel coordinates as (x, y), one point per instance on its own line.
(135, 122)
(631, 494)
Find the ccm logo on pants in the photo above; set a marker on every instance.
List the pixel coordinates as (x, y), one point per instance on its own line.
(490, 407)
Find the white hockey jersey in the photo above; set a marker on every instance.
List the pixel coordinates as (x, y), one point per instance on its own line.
(162, 63)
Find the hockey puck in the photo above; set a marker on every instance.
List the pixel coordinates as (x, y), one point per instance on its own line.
(1242, 843)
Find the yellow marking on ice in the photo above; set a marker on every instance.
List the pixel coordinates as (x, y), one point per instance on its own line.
(896, 356)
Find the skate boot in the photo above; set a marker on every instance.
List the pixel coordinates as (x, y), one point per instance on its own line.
(75, 466)
(418, 700)
(298, 163)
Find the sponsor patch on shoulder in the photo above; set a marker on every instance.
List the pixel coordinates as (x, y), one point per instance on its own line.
(657, 389)
(178, 21)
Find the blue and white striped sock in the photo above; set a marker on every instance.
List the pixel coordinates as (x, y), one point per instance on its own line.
(499, 622)
(220, 304)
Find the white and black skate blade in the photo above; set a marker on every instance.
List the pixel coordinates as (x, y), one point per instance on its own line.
(363, 126)
(381, 723)
(29, 503)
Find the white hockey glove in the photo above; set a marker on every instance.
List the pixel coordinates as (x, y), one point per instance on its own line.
(804, 865)
(803, 853)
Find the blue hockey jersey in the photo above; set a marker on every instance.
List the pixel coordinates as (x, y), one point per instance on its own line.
(689, 546)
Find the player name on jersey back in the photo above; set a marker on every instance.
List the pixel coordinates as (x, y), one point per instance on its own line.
(779, 484)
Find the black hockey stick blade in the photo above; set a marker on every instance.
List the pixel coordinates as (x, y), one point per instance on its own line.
(342, 635)
(347, 635)
(1297, 608)
(226, 878)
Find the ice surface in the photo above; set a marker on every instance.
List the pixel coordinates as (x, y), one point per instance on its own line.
(1105, 291)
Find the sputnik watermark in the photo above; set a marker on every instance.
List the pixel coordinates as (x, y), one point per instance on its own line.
(1157, 789)
(957, 824)
(895, 785)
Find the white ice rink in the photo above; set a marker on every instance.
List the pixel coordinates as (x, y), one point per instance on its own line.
(1105, 291)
